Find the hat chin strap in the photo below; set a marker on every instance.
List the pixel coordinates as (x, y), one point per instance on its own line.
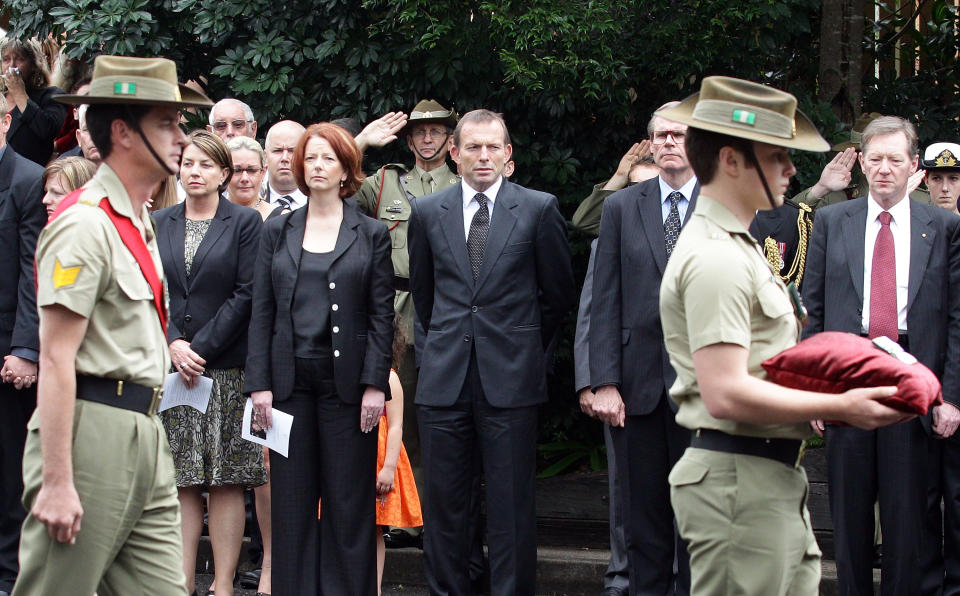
(135, 124)
(752, 158)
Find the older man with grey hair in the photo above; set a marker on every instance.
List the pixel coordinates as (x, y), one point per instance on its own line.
(232, 118)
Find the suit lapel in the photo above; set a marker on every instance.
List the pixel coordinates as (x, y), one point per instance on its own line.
(651, 217)
(501, 224)
(452, 223)
(854, 232)
(6, 174)
(922, 237)
(176, 239)
(217, 227)
(348, 232)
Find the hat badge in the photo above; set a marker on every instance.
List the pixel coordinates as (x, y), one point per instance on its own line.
(946, 159)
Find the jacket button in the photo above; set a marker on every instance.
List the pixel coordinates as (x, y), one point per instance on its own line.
(187, 318)
(336, 329)
(466, 337)
(334, 307)
(336, 353)
(474, 309)
(332, 285)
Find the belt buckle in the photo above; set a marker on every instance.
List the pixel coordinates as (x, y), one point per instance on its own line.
(800, 453)
(155, 401)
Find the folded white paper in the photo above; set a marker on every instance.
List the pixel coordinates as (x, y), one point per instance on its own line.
(277, 437)
(176, 393)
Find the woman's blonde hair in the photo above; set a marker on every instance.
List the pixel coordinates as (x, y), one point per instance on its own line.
(165, 195)
(75, 170)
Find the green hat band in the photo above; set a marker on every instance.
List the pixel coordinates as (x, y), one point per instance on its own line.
(134, 88)
(746, 117)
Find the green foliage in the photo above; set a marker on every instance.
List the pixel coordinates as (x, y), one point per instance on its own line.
(930, 98)
(576, 79)
(564, 456)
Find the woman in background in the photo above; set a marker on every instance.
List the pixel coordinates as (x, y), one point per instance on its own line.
(249, 169)
(208, 247)
(64, 176)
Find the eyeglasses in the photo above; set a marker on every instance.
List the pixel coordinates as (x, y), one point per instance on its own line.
(250, 171)
(221, 125)
(433, 132)
(660, 137)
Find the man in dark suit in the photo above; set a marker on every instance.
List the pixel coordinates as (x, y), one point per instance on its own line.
(21, 217)
(630, 371)
(884, 266)
(491, 280)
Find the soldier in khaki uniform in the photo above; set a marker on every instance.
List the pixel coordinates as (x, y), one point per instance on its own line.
(738, 492)
(386, 196)
(98, 474)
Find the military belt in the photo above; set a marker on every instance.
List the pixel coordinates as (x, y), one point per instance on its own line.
(119, 394)
(786, 451)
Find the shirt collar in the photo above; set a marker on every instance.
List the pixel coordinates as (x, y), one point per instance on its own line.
(106, 183)
(298, 197)
(718, 214)
(686, 190)
(491, 193)
(899, 212)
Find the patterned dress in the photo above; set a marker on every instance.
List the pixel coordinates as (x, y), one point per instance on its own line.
(207, 448)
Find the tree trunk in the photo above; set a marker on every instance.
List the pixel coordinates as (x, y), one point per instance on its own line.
(841, 59)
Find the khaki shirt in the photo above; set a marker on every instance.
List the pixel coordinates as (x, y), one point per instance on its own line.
(83, 265)
(400, 186)
(853, 191)
(587, 216)
(719, 288)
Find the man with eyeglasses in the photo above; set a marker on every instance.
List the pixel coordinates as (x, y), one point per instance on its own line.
(232, 118)
(386, 196)
(630, 372)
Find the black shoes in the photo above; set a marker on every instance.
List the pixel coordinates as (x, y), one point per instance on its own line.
(397, 538)
(611, 591)
(249, 579)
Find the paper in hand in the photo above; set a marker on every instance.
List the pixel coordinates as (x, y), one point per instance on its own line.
(176, 393)
(277, 437)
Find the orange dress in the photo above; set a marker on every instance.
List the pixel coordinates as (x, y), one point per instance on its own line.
(401, 506)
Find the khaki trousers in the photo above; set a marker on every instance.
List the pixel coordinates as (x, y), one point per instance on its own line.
(129, 542)
(746, 521)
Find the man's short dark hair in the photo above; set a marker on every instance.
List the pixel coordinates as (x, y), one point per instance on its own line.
(703, 151)
(100, 116)
(480, 117)
(351, 125)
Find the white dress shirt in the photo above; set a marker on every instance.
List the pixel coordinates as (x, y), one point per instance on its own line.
(686, 190)
(471, 206)
(900, 228)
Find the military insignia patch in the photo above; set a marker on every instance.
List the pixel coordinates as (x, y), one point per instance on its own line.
(946, 159)
(64, 276)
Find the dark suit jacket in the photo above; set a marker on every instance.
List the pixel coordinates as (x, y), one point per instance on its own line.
(32, 133)
(513, 310)
(833, 284)
(22, 216)
(626, 338)
(211, 308)
(361, 280)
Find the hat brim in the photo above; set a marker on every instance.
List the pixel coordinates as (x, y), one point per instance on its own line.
(189, 98)
(931, 166)
(806, 138)
(449, 121)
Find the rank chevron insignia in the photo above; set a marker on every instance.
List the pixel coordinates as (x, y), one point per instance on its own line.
(64, 276)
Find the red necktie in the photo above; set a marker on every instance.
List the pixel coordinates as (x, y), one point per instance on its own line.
(883, 283)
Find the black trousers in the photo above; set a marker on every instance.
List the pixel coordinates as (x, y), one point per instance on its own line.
(890, 464)
(506, 440)
(941, 561)
(17, 407)
(654, 443)
(329, 458)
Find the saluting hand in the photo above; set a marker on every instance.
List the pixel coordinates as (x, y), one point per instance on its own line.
(837, 174)
(58, 508)
(381, 131)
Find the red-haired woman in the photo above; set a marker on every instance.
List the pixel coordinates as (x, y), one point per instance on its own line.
(320, 349)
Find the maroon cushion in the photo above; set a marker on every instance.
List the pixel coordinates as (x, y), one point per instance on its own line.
(833, 362)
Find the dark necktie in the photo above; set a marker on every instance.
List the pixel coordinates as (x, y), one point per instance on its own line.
(671, 226)
(477, 238)
(883, 283)
(286, 201)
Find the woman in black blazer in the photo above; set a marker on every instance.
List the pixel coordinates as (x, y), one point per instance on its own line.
(320, 349)
(36, 119)
(208, 247)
